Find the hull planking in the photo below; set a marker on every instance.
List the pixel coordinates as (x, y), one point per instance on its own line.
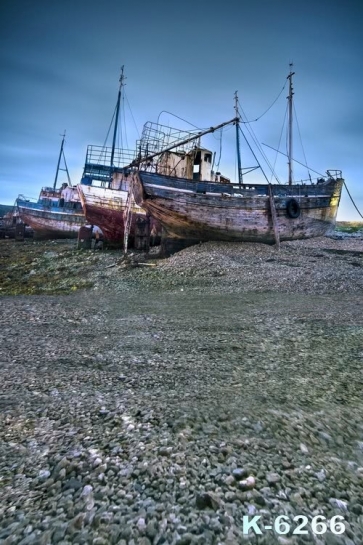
(205, 211)
(106, 208)
(54, 223)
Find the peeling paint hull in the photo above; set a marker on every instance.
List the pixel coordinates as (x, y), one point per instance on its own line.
(106, 207)
(204, 211)
(56, 223)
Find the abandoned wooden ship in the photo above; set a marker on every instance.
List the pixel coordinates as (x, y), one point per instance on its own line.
(58, 211)
(194, 203)
(104, 189)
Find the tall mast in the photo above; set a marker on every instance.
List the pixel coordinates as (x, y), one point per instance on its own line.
(59, 160)
(240, 179)
(117, 114)
(289, 77)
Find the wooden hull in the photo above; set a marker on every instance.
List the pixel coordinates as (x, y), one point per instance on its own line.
(205, 211)
(106, 208)
(54, 223)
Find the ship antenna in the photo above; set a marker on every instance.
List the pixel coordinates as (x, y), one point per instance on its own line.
(291, 93)
(240, 179)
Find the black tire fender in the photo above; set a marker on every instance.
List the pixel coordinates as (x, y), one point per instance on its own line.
(293, 208)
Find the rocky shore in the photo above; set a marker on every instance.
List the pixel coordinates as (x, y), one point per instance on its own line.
(148, 401)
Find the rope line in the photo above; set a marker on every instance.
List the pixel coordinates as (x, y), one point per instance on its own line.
(301, 143)
(253, 153)
(269, 108)
(258, 146)
(181, 119)
(67, 172)
(351, 198)
(281, 133)
(132, 115)
(220, 149)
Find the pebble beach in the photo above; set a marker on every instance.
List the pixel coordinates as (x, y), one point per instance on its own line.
(149, 402)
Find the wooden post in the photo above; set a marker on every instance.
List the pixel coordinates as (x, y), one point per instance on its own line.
(142, 233)
(84, 238)
(274, 217)
(19, 231)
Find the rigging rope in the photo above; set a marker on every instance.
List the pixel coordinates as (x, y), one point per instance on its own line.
(220, 149)
(248, 144)
(257, 144)
(296, 161)
(302, 147)
(269, 108)
(109, 128)
(65, 164)
(103, 150)
(128, 104)
(185, 121)
(122, 120)
(351, 198)
(282, 130)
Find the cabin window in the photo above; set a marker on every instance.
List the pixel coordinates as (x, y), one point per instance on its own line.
(208, 158)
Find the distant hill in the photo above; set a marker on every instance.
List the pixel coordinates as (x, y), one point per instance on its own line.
(4, 208)
(349, 226)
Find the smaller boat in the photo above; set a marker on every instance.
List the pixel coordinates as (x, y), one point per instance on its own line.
(12, 226)
(58, 212)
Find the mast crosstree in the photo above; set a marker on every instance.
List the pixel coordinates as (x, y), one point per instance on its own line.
(61, 153)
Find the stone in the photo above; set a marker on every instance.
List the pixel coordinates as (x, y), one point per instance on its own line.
(207, 500)
(247, 484)
(273, 478)
(239, 473)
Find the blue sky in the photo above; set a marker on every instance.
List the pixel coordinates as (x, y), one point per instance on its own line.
(60, 64)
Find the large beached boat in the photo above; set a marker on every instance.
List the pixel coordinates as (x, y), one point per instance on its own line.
(58, 211)
(194, 203)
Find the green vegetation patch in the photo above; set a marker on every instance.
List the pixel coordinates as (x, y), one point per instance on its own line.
(48, 267)
(349, 226)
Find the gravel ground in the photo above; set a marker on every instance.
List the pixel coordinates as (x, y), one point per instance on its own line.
(165, 402)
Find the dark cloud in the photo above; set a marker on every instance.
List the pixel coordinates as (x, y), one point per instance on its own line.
(60, 63)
